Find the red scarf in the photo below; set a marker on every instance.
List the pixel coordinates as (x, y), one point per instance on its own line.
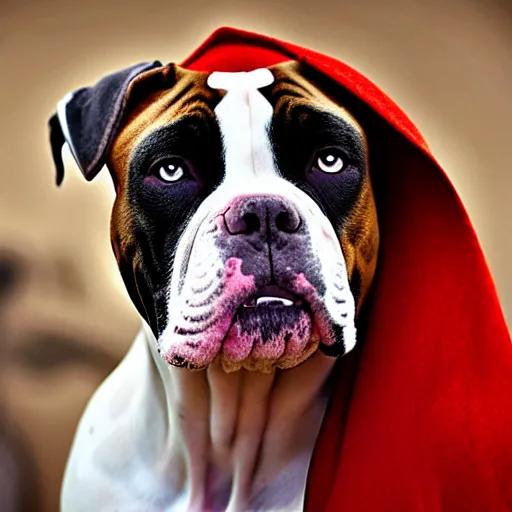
(421, 414)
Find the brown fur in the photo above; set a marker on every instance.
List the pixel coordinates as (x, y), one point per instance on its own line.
(186, 94)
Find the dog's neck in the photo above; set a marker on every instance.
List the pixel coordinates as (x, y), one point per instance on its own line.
(242, 440)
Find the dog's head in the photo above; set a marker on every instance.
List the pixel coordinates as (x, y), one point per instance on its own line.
(244, 223)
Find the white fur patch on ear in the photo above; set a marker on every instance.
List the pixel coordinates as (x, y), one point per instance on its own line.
(61, 113)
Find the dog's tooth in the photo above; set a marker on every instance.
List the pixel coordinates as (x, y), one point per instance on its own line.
(266, 300)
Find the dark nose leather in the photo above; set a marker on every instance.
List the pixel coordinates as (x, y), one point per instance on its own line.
(261, 214)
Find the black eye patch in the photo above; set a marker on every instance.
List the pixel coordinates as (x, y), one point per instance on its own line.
(197, 141)
(298, 140)
(160, 211)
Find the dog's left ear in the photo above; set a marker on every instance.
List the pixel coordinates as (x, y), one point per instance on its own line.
(88, 119)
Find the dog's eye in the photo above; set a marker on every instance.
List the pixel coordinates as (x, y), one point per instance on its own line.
(170, 170)
(330, 161)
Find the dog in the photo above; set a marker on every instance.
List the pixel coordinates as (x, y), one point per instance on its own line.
(246, 232)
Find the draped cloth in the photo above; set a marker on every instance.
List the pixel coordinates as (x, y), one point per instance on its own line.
(420, 417)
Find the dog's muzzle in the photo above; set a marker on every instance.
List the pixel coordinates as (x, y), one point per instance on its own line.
(254, 293)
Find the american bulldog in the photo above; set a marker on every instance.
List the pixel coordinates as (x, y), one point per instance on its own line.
(246, 233)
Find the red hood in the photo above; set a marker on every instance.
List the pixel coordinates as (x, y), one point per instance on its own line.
(421, 417)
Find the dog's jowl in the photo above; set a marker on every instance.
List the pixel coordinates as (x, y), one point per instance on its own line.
(245, 230)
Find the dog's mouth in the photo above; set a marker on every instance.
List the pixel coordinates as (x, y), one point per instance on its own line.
(243, 326)
(272, 328)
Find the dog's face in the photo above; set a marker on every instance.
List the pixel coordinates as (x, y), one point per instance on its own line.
(244, 224)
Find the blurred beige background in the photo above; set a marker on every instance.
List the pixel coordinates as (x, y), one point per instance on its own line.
(67, 320)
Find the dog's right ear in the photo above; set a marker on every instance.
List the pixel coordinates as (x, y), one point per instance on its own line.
(88, 119)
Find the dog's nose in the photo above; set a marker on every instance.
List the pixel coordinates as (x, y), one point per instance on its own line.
(248, 215)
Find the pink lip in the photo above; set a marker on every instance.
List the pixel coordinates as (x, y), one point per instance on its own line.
(197, 348)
